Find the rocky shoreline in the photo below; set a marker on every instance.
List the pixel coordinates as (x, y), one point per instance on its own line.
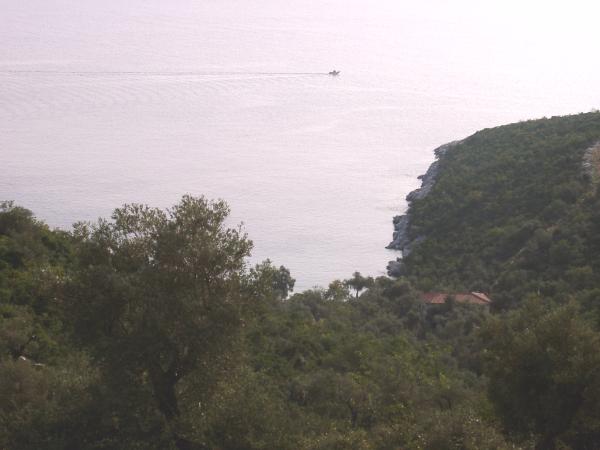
(401, 239)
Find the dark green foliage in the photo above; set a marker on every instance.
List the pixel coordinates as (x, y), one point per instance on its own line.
(377, 369)
(163, 339)
(544, 370)
(43, 379)
(149, 332)
(358, 282)
(158, 298)
(512, 209)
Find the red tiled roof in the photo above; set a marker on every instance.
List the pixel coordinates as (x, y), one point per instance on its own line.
(482, 297)
(437, 298)
(434, 298)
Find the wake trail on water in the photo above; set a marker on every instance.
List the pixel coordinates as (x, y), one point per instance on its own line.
(156, 73)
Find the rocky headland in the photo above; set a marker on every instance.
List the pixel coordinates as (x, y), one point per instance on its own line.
(402, 238)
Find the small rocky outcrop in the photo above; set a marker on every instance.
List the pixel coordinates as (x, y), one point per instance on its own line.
(591, 162)
(396, 268)
(401, 238)
(427, 182)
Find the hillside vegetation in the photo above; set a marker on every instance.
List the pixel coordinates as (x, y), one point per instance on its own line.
(149, 330)
(514, 211)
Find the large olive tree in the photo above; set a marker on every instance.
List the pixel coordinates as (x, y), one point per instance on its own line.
(160, 295)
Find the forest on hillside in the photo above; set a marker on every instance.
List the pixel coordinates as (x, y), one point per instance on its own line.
(149, 330)
(515, 210)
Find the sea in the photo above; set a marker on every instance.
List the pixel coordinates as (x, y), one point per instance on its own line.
(106, 102)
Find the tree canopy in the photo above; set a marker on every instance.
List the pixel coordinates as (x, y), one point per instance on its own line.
(150, 330)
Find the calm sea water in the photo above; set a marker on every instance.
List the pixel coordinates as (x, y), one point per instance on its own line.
(106, 102)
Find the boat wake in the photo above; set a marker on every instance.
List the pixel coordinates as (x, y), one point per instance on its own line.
(153, 73)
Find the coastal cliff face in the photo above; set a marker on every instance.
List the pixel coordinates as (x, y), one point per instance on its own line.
(403, 238)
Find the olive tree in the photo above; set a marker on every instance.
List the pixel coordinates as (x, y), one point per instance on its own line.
(159, 295)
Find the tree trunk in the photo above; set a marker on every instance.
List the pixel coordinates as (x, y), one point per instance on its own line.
(163, 385)
(546, 443)
(184, 444)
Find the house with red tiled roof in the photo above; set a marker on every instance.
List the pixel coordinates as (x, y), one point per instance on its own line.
(438, 298)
